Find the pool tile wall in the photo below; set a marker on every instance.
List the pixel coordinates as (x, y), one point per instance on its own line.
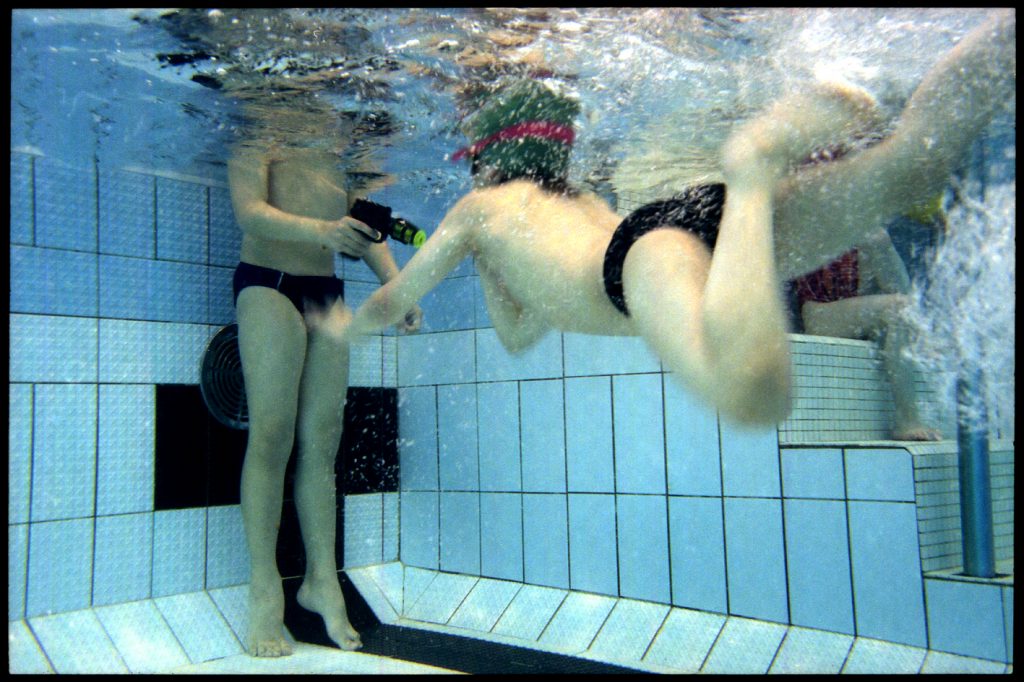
(622, 484)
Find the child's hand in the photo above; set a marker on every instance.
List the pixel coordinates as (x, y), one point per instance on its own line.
(335, 321)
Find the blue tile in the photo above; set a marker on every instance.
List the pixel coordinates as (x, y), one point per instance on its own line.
(17, 570)
(22, 218)
(222, 305)
(813, 472)
(698, 553)
(19, 448)
(639, 434)
(545, 540)
(50, 348)
(456, 437)
(59, 567)
(966, 618)
(543, 436)
(127, 214)
(460, 533)
(417, 434)
(498, 433)
(588, 435)
(127, 432)
(501, 535)
(65, 206)
(750, 461)
(153, 290)
(755, 559)
(181, 221)
(886, 572)
(589, 355)
(419, 529)
(543, 360)
(64, 451)
(691, 443)
(227, 555)
(152, 352)
(643, 547)
(123, 561)
(389, 541)
(592, 552)
(439, 358)
(1008, 620)
(225, 234)
(179, 551)
(818, 561)
(53, 282)
(448, 306)
(879, 474)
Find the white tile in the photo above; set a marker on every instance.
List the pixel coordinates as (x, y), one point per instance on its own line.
(529, 612)
(485, 604)
(233, 604)
(806, 651)
(372, 593)
(745, 647)
(937, 662)
(446, 593)
(685, 639)
(75, 643)
(577, 621)
(629, 631)
(875, 657)
(199, 626)
(24, 657)
(142, 637)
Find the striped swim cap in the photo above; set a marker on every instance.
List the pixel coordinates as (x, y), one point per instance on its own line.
(524, 129)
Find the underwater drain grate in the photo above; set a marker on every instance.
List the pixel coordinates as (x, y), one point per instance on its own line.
(221, 380)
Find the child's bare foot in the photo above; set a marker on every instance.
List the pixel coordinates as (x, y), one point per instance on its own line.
(796, 126)
(324, 597)
(266, 621)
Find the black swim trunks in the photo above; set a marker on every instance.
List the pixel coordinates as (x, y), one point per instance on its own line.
(320, 290)
(698, 210)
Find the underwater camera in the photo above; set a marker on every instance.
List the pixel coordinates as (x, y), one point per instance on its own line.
(379, 218)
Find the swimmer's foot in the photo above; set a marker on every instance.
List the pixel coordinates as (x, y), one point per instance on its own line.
(266, 621)
(833, 113)
(324, 597)
(916, 432)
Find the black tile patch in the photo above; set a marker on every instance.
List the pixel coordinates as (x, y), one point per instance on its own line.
(199, 460)
(452, 652)
(182, 448)
(368, 458)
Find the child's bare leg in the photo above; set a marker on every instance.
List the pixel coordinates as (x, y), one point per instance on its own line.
(825, 210)
(321, 416)
(272, 344)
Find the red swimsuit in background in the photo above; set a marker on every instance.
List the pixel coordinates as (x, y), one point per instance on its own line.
(834, 282)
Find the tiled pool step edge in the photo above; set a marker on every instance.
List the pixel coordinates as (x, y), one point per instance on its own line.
(640, 635)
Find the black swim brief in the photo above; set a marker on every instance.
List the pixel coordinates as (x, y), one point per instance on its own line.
(320, 290)
(698, 210)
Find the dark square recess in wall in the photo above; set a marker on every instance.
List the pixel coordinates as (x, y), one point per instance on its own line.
(199, 460)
